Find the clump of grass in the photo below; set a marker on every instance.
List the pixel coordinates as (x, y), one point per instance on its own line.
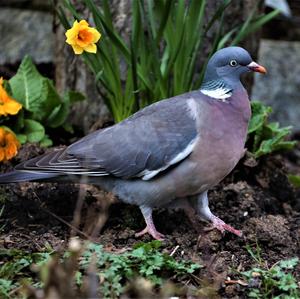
(276, 282)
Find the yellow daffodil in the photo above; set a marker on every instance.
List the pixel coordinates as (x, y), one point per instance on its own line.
(9, 145)
(82, 37)
(7, 104)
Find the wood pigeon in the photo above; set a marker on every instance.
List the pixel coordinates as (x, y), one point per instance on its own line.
(167, 152)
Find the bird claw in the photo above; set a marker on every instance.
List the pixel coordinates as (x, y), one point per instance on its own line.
(151, 231)
(222, 226)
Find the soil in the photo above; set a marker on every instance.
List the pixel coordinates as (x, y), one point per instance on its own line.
(257, 199)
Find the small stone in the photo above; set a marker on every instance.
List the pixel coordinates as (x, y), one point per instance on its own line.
(74, 245)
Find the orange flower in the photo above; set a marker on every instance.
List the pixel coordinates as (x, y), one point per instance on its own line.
(7, 104)
(82, 37)
(9, 145)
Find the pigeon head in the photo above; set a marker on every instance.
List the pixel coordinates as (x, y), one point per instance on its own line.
(229, 64)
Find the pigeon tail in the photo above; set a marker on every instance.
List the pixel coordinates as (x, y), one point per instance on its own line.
(22, 176)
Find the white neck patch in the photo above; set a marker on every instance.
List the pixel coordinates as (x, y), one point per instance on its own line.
(220, 93)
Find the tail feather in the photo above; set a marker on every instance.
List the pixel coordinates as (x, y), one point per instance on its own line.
(25, 176)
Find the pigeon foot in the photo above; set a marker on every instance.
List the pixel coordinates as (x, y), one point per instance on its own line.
(151, 230)
(150, 227)
(222, 226)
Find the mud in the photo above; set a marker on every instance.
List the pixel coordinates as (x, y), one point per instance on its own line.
(258, 200)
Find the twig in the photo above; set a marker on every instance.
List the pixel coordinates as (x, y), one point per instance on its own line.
(63, 221)
(78, 209)
(241, 282)
(174, 250)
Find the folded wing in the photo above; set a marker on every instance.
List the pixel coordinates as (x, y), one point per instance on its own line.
(147, 143)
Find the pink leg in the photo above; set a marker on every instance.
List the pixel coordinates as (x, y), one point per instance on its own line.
(222, 226)
(206, 214)
(150, 227)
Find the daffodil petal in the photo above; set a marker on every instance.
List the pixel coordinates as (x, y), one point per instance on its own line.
(72, 35)
(77, 50)
(96, 34)
(75, 24)
(92, 48)
(84, 23)
(71, 38)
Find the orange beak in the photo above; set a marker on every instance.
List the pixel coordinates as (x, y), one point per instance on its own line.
(255, 67)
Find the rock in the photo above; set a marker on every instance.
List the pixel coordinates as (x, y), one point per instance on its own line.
(280, 88)
(25, 32)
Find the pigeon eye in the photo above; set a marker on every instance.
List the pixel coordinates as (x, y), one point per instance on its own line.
(233, 63)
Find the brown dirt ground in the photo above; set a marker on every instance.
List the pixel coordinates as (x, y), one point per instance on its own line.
(258, 200)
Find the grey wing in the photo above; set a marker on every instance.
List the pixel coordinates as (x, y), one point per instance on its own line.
(143, 145)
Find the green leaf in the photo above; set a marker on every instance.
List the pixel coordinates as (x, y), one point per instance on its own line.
(49, 100)
(160, 58)
(68, 128)
(260, 112)
(27, 85)
(289, 264)
(73, 97)
(34, 131)
(46, 141)
(6, 285)
(266, 137)
(288, 282)
(36, 93)
(58, 116)
(22, 138)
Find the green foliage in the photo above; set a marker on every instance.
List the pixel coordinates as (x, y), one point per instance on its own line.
(294, 180)
(278, 282)
(16, 268)
(145, 260)
(255, 253)
(159, 59)
(42, 105)
(266, 137)
(114, 270)
(5, 287)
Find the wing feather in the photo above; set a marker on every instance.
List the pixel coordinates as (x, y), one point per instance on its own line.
(147, 143)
